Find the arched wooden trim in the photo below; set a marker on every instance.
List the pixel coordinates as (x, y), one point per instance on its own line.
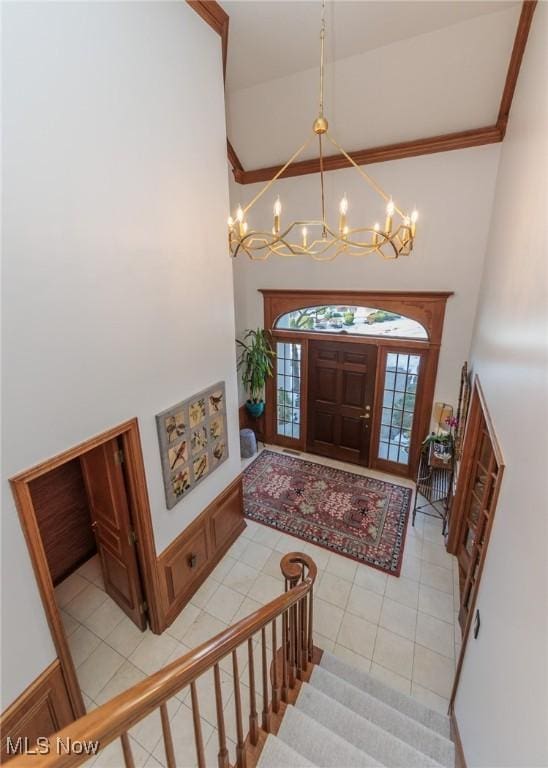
(427, 308)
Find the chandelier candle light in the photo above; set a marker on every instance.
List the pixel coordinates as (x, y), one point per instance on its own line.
(317, 239)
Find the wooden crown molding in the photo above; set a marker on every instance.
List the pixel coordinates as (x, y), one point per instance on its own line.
(218, 19)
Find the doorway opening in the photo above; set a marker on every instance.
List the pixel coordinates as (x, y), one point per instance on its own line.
(355, 374)
(87, 510)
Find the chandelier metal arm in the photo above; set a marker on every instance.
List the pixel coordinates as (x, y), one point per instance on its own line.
(394, 239)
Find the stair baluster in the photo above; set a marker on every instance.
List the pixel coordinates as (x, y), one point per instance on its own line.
(168, 740)
(126, 749)
(198, 738)
(285, 654)
(240, 745)
(223, 751)
(275, 681)
(253, 717)
(266, 705)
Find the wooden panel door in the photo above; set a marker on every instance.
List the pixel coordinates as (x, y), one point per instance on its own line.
(341, 387)
(105, 485)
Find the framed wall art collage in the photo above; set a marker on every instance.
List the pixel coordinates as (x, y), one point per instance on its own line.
(193, 441)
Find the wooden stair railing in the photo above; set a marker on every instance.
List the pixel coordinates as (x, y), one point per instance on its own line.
(114, 719)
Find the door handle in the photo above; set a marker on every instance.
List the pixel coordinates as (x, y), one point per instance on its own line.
(94, 525)
(365, 415)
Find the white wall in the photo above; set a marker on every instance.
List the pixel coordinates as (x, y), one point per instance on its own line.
(117, 288)
(502, 703)
(453, 192)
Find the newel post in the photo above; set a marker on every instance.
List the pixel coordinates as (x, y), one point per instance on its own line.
(297, 628)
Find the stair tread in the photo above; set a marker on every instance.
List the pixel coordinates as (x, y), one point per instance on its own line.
(277, 754)
(362, 733)
(406, 728)
(409, 706)
(319, 744)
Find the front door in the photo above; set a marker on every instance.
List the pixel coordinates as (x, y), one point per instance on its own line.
(105, 486)
(341, 386)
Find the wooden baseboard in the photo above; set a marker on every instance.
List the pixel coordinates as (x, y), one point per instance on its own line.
(42, 709)
(460, 760)
(192, 556)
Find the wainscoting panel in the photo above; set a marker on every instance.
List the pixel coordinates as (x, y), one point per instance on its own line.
(191, 557)
(42, 709)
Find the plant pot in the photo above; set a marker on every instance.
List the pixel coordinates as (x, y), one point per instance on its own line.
(255, 409)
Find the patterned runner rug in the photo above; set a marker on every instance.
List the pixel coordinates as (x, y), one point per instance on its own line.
(356, 516)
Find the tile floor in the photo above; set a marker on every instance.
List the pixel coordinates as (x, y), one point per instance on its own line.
(403, 631)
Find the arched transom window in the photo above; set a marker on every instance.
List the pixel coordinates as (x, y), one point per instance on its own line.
(358, 321)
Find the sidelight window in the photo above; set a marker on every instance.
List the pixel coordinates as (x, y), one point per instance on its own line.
(398, 406)
(288, 390)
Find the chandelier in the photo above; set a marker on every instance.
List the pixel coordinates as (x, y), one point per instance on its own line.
(317, 238)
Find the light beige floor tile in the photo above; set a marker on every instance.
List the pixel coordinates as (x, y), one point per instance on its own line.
(238, 547)
(393, 652)
(437, 554)
(333, 589)
(70, 624)
(89, 704)
(341, 566)
(153, 651)
(435, 634)
(86, 602)
(255, 555)
(184, 621)
(266, 588)
(327, 618)
(152, 762)
(318, 554)
(148, 732)
(371, 578)
(286, 544)
(224, 603)
(411, 568)
(398, 618)
(365, 603)
(432, 530)
(92, 571)
(457, 629)
(322, 642)
(267, 536)
(404, 591)
(436, 603)
(112, 756)
(391, 678)
(250, 529)
(429, 698)
(351, 657)
(223, 568)
(357, 634)
(82, 643)
(436, 577)
(95, 672)
(105, 618)
(204, 593)
(69, 588)
(241, 577)
(272, 565)
(413, 546)
(203, 628)
(127, 676)
(433, 671)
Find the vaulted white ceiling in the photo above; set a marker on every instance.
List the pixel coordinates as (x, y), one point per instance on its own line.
(396, 71)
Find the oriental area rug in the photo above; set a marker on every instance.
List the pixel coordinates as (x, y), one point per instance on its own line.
(359, 517)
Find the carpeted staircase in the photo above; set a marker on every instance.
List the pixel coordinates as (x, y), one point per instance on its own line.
(343, 717)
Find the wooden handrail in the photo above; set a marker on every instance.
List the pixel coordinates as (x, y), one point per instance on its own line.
(113, 719)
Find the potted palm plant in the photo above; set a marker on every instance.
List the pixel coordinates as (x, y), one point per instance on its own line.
(255, 362)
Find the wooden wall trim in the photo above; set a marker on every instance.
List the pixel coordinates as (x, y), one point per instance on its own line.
(520, 41)
(42, 709)
(214, 15)
(443, 143)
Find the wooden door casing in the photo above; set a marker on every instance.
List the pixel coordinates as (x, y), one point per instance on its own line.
(106, 489)
(341, 389)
